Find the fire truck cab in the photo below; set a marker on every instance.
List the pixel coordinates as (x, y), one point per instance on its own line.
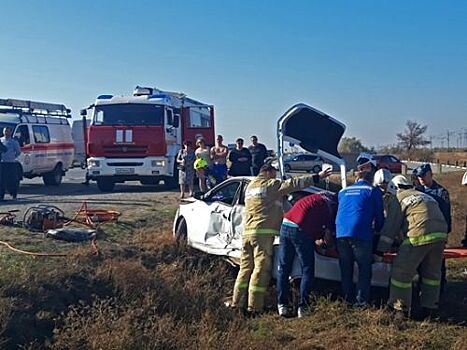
(137, 137)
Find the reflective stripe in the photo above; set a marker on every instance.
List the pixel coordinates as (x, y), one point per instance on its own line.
(257, 289)
(386, 239)
(289, 223)
(400, 284)
(430, 282)
(256, 192)
(428, 238)
(242, 285)
(260, 232)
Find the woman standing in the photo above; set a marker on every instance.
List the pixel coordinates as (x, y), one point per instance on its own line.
(202, 152)
(186, 171)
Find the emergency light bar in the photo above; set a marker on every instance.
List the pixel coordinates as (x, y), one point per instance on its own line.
(34, 107)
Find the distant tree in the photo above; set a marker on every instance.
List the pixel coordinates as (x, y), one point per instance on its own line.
(412, 136)
(352, 145)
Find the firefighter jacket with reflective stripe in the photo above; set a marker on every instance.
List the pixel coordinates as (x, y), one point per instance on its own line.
(263, 203)
(393, 218)
(423, 222)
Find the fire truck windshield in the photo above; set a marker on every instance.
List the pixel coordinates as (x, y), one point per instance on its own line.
(129, 114)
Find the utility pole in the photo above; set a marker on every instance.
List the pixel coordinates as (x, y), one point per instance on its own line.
(449, 134)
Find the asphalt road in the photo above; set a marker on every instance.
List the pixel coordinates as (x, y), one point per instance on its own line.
(71, 193)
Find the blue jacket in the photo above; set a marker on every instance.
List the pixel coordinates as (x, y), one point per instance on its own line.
(360, 211)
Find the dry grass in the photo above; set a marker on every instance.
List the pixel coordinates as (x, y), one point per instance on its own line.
(144, 292)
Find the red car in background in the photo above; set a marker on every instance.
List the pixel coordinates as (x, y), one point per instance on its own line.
(389, 162)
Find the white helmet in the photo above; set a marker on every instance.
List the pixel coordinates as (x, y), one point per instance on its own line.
(384, 176)
(400, 180)
(364, 158)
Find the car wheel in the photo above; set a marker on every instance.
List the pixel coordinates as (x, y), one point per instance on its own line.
(316, 169)
(181, 233)
(54, 178)
(287, 168)
(105, 185)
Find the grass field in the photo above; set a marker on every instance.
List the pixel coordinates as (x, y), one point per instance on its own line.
(144, 292)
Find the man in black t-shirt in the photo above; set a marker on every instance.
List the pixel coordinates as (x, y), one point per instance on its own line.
(240, 159)
(258, 153)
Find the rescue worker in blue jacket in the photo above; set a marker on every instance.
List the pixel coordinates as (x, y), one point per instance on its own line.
(360, 212)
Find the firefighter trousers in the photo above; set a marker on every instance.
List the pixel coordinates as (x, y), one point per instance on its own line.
(427, 260)
(255, 272)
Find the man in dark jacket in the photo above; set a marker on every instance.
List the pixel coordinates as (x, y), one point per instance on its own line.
(258, 153)
(240, 160)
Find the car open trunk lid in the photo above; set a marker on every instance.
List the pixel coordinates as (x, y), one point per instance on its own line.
(314, 131)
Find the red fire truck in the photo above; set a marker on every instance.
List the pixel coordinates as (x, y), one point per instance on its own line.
(137, 137)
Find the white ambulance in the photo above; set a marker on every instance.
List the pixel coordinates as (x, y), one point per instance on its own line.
(44, 134)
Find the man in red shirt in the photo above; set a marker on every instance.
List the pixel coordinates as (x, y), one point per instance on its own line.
(310, 218)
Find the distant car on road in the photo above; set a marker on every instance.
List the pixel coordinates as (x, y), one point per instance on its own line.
(390, 162)
(303, 162)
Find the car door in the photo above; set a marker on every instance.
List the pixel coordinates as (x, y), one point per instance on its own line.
(221, 202)
(314, 131)
(22, 134)
(41, 147)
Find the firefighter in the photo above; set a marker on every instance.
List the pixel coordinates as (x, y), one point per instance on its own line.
(263, 216)
(392, 212)
(441, 195)
(425, 234)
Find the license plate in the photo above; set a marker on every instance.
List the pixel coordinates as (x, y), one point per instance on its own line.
(124, 171)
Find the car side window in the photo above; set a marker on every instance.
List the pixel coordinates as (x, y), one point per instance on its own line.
(225, 194)
(41, 133)
(394, 159)
(22, 135)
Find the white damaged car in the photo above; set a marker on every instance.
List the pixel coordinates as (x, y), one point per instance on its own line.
(213, 222)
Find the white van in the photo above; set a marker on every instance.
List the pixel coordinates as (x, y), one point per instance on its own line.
(44, 134)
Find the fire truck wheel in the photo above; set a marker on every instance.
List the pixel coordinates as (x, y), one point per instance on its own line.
(54, 178)
(105, 185)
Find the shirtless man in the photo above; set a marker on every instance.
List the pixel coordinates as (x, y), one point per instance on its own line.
(219, 159)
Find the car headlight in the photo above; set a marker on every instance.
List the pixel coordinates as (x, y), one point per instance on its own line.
(94, 163)
(158, 163)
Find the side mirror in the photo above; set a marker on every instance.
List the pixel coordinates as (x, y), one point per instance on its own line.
(199, 195)
(83, 112)
(176, 121)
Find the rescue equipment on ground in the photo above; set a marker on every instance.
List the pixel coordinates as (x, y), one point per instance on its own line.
(72, 234)
(93, 217)
(8, 218)
(43, 217)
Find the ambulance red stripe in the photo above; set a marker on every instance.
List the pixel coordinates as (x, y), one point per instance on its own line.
(47, 146)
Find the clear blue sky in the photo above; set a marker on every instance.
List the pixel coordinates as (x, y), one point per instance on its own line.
(372, 64)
